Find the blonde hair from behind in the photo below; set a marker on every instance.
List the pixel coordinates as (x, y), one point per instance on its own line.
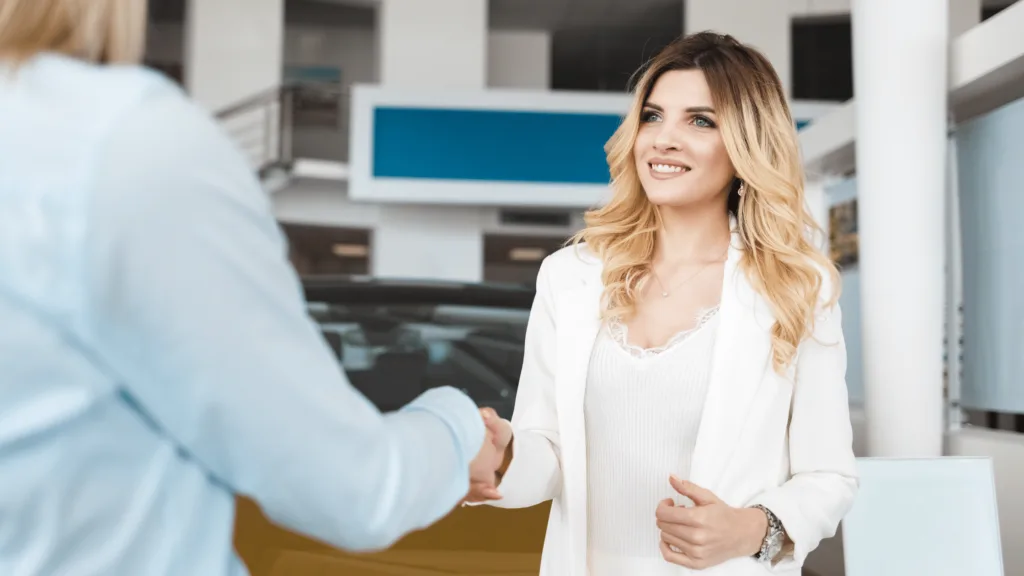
(100, 31)
(773, 223)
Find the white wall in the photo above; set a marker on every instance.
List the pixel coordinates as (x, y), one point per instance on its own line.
(516, 58)
(454, 246)
(813, 8)
(963, 13)
(325, 203)
(435, 242)
(519, 59)
(233, 49)
(353, 49)
(322, 203)
(413, 54)
(765, 24)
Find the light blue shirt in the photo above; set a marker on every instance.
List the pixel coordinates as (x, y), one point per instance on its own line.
(156, 356)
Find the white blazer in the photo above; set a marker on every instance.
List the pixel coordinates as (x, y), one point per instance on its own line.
(784, 441)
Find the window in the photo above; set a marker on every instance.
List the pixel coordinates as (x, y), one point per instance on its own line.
(317, 250)
(516, 259)
(822, 59)
(995, 420)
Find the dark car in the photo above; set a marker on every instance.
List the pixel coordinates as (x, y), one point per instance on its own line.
(396, 339)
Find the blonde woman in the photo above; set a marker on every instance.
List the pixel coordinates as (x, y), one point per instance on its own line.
(683, 399)
(156, 356)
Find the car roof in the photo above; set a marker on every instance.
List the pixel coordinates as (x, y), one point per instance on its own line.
(367, 290)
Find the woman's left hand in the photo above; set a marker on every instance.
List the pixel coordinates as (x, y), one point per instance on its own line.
(710, 532)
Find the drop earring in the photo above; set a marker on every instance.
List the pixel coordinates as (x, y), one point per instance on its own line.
(742, 189)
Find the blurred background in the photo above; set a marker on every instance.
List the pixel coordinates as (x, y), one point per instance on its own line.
(424, 156)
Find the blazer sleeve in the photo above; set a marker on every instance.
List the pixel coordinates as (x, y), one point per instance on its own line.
(534, 475)
(823, 478)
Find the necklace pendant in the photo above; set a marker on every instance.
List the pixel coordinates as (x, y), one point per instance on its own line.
(664, 294)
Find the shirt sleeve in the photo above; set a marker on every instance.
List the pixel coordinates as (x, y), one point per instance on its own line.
(193, 306)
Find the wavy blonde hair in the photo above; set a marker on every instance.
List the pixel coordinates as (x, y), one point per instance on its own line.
(773, 222)
(101, 31)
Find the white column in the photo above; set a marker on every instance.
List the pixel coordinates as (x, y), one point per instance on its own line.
(431, 44)
(233, 49)
(519, 59)
(963, 15)
(764, 24)
(900, 74)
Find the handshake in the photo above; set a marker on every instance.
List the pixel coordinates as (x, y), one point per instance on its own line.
(486, 470)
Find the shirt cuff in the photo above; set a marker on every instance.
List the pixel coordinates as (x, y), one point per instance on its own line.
(459, 413)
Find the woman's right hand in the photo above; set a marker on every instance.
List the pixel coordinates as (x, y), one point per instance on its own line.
(499, 435)
(500, 428)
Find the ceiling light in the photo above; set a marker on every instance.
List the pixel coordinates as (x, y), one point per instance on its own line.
(350, 250)
(527, 254)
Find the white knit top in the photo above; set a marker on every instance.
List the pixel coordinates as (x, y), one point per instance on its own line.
(643, 408)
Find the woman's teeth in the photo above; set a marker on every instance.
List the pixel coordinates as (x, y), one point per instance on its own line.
(667, 168)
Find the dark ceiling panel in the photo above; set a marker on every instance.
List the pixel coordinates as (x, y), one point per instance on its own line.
(167, 10)
(606, 57)
(313, 13)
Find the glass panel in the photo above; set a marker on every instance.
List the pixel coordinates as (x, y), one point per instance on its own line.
(924, 516)
(990, 171)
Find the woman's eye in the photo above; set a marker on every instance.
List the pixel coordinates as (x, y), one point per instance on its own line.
(650, 116)
(703, 122)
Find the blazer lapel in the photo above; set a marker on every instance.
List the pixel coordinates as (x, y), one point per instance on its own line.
(740, 358)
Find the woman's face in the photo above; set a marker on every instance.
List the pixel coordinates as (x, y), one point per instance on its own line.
(679, 152)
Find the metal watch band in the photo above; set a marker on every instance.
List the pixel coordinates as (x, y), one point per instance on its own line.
(773, 538)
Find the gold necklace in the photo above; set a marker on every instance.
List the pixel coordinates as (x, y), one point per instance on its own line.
(665, 292)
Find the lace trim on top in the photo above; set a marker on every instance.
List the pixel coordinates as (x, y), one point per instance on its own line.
(620, 333)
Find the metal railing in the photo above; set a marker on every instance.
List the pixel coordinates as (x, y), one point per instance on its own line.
(262, 126)
(277, 126)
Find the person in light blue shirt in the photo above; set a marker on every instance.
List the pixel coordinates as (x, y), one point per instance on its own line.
(156, 355)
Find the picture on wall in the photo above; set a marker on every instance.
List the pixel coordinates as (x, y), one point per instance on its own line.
(843, 233)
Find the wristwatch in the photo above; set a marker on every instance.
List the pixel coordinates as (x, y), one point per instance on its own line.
(774, 538)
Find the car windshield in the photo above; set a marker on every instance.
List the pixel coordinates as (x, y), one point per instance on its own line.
(393, 352)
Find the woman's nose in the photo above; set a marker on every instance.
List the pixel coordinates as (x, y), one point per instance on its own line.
(667, 139)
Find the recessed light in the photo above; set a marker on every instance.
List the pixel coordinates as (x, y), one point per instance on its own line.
(527, 254)
(350, 250)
